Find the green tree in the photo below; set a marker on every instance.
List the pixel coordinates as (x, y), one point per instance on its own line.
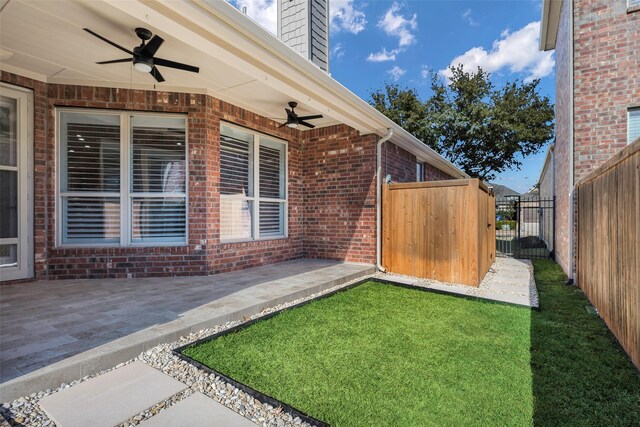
(482, 129)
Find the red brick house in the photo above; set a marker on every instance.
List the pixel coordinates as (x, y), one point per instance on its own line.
(106, 172)
(597, 44)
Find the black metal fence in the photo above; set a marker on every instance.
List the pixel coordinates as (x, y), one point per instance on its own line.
(525, 227)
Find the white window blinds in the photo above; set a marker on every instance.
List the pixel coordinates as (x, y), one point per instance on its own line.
(103, 202)
(633, 125)
(90, 178)
(252, 185)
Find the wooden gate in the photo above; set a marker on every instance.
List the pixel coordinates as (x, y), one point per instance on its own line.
(442, 230)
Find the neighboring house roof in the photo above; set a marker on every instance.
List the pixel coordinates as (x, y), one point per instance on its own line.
(549, 24)
(547, 162)
(503, 190)
(533, 192)
(240, 62)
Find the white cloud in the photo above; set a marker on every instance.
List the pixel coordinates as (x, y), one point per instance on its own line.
(338, 51)
(383, 55)
(467, 17)
(394, 24)
(264, 12)
(425, 72)
(396, 72)
(518, 52)
(345, 17)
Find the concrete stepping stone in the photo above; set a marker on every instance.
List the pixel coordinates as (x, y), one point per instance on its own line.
(111, 398)
(197, 410)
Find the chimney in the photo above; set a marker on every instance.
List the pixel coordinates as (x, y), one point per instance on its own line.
(303, 25)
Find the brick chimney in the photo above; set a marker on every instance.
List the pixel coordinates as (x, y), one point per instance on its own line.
(304, 26)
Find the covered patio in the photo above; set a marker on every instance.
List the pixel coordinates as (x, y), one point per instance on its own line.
(57, 331)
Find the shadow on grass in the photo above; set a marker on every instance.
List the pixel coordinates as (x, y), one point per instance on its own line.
(581, 375)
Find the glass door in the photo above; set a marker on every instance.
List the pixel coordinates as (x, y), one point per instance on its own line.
(16, 170)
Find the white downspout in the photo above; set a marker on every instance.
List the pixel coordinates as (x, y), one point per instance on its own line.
(379, 201)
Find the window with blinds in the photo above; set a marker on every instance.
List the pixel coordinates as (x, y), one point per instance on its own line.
(252, 186)
(633, 125)
(101, 202)
(158, 182)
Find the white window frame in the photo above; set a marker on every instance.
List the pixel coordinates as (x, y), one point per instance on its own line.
(126, 193)
(629, 111)
(256, 199)
(24, 167)
(420, 172)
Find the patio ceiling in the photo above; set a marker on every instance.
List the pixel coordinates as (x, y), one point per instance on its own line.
(240, 62)
(44, 40)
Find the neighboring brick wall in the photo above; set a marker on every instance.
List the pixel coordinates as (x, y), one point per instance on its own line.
(607, 79)
(606, 72)
(339, 167)
(563, 152)
(546, 193)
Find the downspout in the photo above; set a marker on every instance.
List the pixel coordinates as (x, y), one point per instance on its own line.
(379, 201)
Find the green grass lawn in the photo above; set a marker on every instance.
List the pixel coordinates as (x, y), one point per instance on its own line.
(381, 355)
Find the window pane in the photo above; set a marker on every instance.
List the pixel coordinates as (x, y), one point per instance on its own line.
(161, 219)
(236, 162)
(8, 204)
(90, 152)
(271, 219)
(8, 256)
(91, 220)
(8, 137)
(235, 218)
(158, 151)
(272, 169)
(634, 125)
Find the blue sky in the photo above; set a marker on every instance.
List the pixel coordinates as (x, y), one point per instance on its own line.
(373, 42)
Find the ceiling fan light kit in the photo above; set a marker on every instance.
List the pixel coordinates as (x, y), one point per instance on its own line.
(143, 56)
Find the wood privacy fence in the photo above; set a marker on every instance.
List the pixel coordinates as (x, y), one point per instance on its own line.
(442, 230)
(608, 245)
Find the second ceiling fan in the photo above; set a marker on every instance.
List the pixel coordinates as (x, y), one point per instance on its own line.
(293, 120)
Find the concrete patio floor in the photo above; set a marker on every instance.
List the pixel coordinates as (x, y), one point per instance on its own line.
(58, 331)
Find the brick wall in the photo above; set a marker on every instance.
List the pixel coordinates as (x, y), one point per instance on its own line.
(606, 73)
(339, 199)
(331, 189)
(204, 254)
(398, 163)
(607, 79)
(563, 150)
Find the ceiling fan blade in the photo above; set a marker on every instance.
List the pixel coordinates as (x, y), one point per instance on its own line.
(152, 47)
(156, 75)
(303, 123)
(115, 61)
(108, 41)
(173, 64)
(317, 116)
(282, 125)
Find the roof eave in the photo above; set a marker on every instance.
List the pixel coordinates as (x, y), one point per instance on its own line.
(280, 60)
(549, 24)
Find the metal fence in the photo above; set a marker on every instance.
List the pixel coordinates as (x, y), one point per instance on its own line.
(525, 227)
